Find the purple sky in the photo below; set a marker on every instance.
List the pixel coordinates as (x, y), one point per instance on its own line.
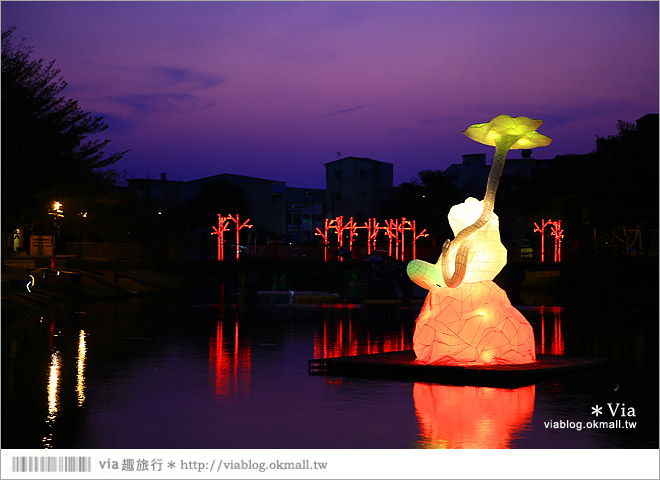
(275, 90)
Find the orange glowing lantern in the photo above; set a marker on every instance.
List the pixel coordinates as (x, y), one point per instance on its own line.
(466, 318)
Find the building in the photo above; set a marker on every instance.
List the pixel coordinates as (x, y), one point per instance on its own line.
(357, 187)
(163, 194)
(266, 199)
(471, 176)
(305, 212)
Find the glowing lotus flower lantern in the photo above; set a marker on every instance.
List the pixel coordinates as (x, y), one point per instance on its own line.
(466, 318)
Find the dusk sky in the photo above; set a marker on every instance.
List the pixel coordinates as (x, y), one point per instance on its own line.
(275, 89)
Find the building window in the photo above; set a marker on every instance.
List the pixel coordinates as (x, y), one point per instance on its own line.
(363, 173)
(364, 193)
(338, 196)
(338, 174)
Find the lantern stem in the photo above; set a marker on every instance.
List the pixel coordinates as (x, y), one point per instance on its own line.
(461, 242)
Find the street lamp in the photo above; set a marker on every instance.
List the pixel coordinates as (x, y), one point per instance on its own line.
(57, 212)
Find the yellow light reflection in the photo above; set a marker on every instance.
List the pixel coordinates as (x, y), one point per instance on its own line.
(53, 385)
(82, 356)
(53, 396)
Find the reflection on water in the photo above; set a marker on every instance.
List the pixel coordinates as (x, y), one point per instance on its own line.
(229, 360)
(53, 389)
(152, 374)
(80, 376)
(556, 346)
(342, 337)
(471, 417)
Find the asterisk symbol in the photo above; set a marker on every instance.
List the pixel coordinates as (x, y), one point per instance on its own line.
(171, 465)
(597, 410)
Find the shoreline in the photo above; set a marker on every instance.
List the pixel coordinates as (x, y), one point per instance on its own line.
(81, 282)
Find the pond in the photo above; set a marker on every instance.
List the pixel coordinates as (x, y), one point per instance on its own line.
(196, 372)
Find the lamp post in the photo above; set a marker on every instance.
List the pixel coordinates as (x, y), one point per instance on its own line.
(57, 212)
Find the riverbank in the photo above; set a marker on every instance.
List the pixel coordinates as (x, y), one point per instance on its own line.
(34, 286)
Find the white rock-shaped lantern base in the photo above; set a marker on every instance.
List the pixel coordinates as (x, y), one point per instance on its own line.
(473, 324)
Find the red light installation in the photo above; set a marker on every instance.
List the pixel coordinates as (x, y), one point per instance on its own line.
(324, 235)
(339, 229)
(471, 417)
(239, 226)
(416, 236)
(220, 232)
(557, 232)
(352, 228)
(402, 227)
(541, 230)
(392, 231)
(372, 234)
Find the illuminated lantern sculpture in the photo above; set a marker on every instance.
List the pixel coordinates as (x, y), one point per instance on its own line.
(466, 318)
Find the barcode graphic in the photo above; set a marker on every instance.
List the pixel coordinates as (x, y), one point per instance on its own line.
(51, 464)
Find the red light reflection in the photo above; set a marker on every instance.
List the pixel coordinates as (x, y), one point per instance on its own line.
(556, 338)
(343, 337)
(471, 417)
(229, 360)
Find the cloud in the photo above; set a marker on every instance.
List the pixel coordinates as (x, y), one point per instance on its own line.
(173, 76)
(160, 104)
(340, 112)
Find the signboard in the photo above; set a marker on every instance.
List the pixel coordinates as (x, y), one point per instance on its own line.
(41, 245)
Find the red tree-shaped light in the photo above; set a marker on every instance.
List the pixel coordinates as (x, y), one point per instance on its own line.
(339, 229)
(324, 236)
(402, 227)
(239, 226)
(557, 232)
(392, 231)
(372, 232)
(352, 227)
(220, 232)
(541, 230)
(415, 237)
(340, 226)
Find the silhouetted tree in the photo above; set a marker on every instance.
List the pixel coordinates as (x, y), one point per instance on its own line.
(427, 199)
(602, 194)
(217, 197)
(47, 154)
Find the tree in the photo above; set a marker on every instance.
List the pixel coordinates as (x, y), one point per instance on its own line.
(427, 199)
(47, 152)
(216, 197)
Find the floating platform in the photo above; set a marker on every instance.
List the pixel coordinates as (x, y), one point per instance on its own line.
(404, 366)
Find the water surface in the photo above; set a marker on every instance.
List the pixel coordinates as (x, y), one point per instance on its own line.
(177, 372)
